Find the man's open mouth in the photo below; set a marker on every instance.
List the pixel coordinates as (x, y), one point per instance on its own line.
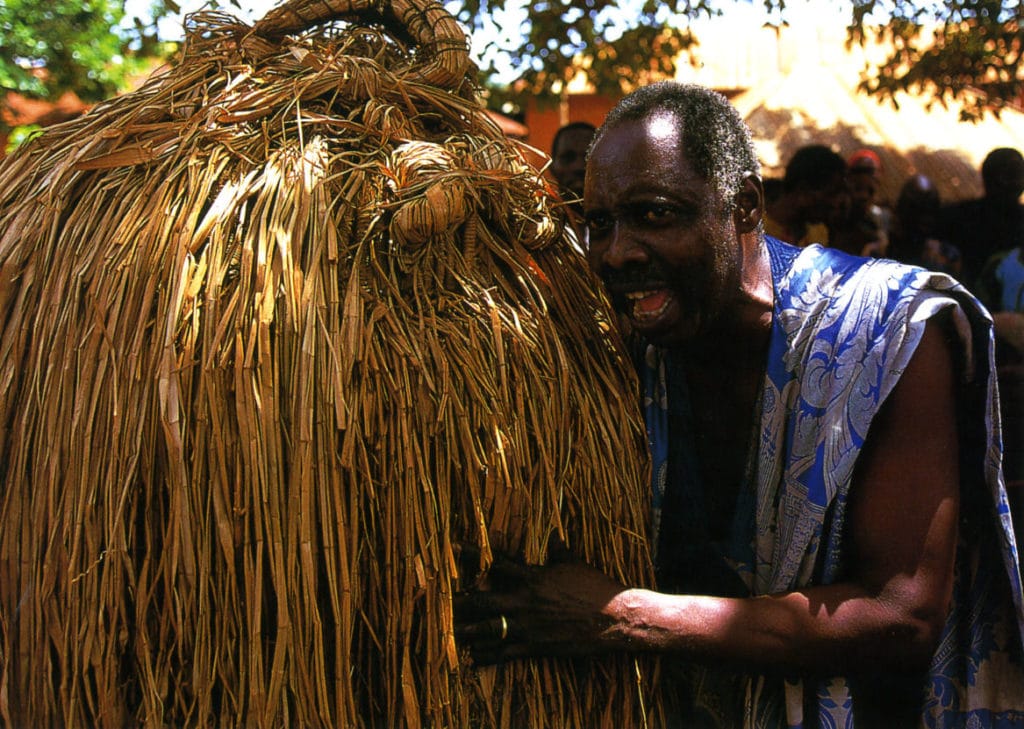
(648, 304)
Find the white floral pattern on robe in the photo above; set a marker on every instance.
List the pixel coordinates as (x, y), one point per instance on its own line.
(844, 330)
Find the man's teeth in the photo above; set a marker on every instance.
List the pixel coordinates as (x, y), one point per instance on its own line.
(648, 304)
(637, 295)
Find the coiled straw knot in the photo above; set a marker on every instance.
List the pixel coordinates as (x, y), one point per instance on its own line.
(430, 187)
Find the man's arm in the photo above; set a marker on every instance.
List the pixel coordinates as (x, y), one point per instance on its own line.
(902, 523)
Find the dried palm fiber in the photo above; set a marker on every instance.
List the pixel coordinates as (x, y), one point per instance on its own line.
(281, 330)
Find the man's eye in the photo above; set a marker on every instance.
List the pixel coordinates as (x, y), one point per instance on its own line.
(598, 224)
(656, 214)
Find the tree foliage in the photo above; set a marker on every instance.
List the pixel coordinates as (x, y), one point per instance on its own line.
(51, 46)
(967, 50)
(555, 39)
(90, 47)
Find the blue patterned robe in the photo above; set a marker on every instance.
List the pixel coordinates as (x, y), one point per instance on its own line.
(844, 329)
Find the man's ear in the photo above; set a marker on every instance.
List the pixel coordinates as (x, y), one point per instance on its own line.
(749, 204)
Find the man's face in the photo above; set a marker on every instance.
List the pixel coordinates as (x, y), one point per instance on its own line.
(917, 209)
(569, 161)
(660, 236)
(863, 186)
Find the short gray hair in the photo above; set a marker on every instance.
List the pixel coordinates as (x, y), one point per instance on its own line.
(715, 139)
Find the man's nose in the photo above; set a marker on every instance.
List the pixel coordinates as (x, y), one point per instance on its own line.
(623, 247)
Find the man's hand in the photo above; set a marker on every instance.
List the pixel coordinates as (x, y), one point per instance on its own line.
(563, 609)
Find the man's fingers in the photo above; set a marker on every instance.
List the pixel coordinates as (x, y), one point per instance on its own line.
(474, 607)
(559, 552)
(503, 573)
(492, 641)
(506, 575)
(493, 631)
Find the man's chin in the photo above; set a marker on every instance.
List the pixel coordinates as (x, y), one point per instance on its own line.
(663, 334)
(668, 339)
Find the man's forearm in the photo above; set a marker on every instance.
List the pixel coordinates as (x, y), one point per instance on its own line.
(835, 629)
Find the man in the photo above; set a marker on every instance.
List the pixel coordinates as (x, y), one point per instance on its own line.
(993, 223)
(915, 237)
(1000, 285)
(863, 227)
(813, 196)
(568, 167)
(833, 540)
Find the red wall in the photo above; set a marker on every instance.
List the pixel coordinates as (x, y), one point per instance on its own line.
(544, 120)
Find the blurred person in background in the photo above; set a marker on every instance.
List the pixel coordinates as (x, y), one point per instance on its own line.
(992, 223)
(1001, 287)
(863, 227)
(915, 237)
(569, 166)
(813, 194)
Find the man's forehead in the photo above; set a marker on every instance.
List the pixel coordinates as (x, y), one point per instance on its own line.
(662, 127)
(659, 130)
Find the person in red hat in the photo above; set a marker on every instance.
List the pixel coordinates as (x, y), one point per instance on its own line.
(863, 228)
